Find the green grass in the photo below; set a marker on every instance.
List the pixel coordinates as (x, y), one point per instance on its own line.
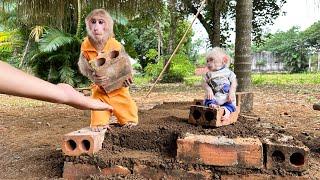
(141, 80)
(286, 79)
(257, 79)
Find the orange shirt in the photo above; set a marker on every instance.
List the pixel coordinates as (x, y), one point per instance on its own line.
(90, 52)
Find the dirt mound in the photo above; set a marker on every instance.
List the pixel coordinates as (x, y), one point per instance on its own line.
(153, 141)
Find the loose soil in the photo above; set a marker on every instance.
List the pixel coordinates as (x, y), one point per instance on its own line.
(31, 131)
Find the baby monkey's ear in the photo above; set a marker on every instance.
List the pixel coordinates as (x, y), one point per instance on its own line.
(225, 59)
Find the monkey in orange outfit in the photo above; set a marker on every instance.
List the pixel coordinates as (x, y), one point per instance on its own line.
(101, 39)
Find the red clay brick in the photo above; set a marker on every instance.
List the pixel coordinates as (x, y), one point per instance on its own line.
(220, 151)
(115, 170)
(250, 152)
(195, 115)
(78, 171)
(158, 173)
(208, 150)
(218, 154)
(286, 156)
(260, 177)
(207, 116)
(83, 141)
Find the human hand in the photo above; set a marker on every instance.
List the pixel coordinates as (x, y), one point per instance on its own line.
(127, 82)
(78, 100)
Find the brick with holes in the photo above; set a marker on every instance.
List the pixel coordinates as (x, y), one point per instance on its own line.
(116, 66)
(210, 116)
(83, 141)
(195, 114)
(284, 155)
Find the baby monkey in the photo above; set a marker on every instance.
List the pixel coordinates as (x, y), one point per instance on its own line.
(220, 82)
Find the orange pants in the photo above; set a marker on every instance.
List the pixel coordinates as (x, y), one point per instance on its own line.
(124, 108)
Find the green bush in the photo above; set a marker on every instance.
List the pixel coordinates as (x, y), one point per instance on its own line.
(180, 68)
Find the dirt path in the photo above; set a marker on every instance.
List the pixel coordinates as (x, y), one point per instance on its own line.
(31, 131)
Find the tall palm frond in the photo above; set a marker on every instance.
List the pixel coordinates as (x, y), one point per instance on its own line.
(53, 39)
(67, 74)
(47, 13)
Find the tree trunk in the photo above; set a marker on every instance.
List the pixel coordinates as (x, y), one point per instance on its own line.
(216, 12)
(318, 69)
(309, 68)
(243, 57)
(159, 40)
(172, 31)
(79, 20)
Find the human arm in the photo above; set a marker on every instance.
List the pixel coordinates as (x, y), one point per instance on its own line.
(17, 83)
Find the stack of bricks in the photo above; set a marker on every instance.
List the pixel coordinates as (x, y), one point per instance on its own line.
(220, 151)
(242, 153)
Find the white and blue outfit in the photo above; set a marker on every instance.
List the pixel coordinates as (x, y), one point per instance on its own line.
(220, 82)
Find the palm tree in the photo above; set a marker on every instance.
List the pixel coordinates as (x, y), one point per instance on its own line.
(243, 44)
(66, 18)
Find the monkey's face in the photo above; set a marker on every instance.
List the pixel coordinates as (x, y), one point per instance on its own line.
(214, 63)
(98, 27)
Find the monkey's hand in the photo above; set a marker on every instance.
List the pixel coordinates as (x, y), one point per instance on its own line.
(127, 82)
(99, 79)
(209, 94)
(231, 97)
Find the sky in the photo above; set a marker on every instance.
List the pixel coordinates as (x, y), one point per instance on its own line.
(301, 13)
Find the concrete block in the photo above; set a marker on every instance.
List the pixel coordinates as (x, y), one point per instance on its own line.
(285, 156)
(83, 141)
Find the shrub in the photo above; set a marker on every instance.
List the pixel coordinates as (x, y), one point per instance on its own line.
(180, 67)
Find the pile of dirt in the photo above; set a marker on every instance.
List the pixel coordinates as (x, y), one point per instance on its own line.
(153, 141)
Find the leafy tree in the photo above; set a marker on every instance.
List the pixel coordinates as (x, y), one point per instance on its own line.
(54, 57)
(180, 68)
(139, 36)
(290, 46)
(311, 36)
(217, 16)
